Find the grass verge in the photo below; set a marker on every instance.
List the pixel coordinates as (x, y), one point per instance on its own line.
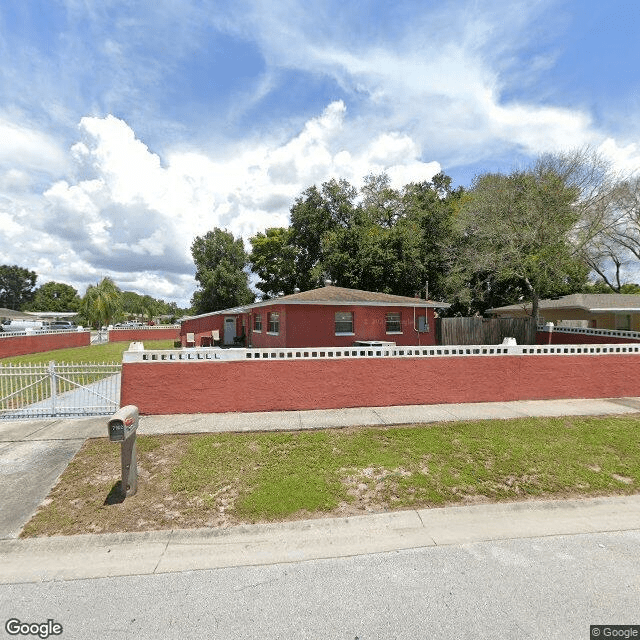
(27, 387)
(218, 480)
(108, 352)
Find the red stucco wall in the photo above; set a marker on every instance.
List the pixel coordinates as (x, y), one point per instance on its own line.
(202, 328)
(562, 337)
(21, 345)
(214, 387)
(140, 335)
(314, 326)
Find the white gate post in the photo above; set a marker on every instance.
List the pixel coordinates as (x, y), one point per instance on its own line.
(54, 386)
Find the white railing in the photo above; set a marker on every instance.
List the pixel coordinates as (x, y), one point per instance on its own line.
(39, 332)
(146, 327)
(59, 389)
(99, 337)
(612, 333)
(216, 354)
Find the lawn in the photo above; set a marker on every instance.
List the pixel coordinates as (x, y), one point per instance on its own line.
(34, 386)
(107, 352)
(218, 480)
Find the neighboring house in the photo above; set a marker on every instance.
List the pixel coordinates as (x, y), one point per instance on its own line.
(325, 317)
(590, 310)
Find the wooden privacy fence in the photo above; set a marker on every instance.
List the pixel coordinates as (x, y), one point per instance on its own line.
(485, 330)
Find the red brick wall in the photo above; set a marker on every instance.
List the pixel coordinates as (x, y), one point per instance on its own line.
(216, 387)
(21, 345)
(140, 335)
(568, 337)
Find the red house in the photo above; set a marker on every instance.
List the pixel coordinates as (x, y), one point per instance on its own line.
(325, 317)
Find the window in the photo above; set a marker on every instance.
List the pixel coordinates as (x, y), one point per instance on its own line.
(274, 322)
(257, 322)
(344, 322)
(393, 323)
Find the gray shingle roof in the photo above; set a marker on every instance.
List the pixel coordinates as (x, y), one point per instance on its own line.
(340, 295)
(585, 301)
(333, 296)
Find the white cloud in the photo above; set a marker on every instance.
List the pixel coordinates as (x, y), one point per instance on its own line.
(444, 81)
(437, 91)
(133, 215)
(26, 149)
(10, 228)
(626, 159)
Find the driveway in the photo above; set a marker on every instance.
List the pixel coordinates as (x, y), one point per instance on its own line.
(33, 455)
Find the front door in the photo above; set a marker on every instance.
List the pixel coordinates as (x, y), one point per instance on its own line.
(229, 330)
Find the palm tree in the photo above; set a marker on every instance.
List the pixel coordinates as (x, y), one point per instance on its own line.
(101, 303)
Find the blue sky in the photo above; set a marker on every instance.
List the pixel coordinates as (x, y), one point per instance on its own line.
(128, 128)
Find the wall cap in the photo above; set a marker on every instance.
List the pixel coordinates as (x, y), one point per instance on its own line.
(213, 354)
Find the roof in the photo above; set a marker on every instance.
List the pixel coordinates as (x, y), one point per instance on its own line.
(341, 296)
(228, 312)
(14, 315)
(34, 315)
(334, 296)
(593, 302)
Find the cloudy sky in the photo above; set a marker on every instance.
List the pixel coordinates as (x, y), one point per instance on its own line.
(127, 128)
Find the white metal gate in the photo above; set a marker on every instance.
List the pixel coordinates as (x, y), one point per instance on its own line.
(59, 389)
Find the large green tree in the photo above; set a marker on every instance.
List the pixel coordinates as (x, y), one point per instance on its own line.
(273, 259)
(376, 258)
(221, 271)
(378, 238)
(315, 213)
(102, 303)
(17, 286)
(519, 230)
(434, 206)
(54, 296)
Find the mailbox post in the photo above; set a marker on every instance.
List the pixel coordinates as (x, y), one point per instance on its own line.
(122, 428)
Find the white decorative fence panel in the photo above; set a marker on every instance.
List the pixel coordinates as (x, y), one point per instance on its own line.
(200, 354)
(59, 389)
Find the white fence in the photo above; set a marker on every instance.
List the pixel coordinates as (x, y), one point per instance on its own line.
(216, 354)
(146, 327)
(59, 389)
(611, 333)
(38, 332)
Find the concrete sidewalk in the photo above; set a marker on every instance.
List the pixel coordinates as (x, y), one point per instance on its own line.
(95, 427)
(94, 556)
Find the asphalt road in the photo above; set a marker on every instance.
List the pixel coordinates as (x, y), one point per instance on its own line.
(551, 587)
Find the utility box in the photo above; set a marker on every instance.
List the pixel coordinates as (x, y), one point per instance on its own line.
(122, 427)
(423, 324)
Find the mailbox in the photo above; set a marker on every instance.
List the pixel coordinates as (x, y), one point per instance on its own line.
(123, 423)
(122, 428)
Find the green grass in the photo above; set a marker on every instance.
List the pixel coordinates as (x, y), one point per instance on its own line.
(197, 480)
(279, 475)
(21, 390)
(108, 352)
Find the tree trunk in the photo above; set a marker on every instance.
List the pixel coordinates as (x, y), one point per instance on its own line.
(534, 300)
